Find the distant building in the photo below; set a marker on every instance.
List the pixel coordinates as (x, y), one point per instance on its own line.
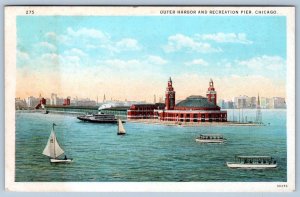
(229, 105)
(226, 104)
(258, 112)
(251, 102)
(48, 101)
(41, 104)
(32, 101)
(279, 103)
(221, 103)
(86, 102)
(270, 103)
(104, 98)
(20, 104)
(263, 102)
(53, 99)
(160, 99)
(241, 102)
(67, 101)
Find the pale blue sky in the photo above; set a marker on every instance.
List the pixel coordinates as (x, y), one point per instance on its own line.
(112, 50)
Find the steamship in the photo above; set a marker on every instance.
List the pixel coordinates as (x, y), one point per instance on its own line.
(99, 118)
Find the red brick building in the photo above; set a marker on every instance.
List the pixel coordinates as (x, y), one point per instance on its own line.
(143, 111)
(193, 109)
(67, 102)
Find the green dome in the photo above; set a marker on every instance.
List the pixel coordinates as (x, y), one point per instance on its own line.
(196, 102)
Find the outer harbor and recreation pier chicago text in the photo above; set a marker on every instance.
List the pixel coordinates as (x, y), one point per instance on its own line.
(217, 12)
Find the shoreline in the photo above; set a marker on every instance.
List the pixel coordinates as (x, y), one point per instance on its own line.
(154, 121)
(192, 124)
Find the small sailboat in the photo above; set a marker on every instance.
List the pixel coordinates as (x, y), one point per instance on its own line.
(121, 129)
(53, 150)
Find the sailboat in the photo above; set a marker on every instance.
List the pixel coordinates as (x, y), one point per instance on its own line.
(53, 150)
(121, 129)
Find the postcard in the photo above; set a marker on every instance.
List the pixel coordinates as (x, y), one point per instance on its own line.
(149, 98)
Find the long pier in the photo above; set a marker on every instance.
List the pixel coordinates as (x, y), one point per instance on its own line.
(192, 124)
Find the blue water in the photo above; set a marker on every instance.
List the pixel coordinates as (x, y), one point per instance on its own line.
(148, 152)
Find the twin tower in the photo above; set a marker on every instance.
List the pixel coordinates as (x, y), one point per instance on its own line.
(211, 95)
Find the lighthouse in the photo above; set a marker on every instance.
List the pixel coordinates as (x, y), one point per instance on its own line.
(211, 94)
(170, 96)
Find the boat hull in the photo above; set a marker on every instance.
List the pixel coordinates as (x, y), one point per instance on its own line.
(250, 166)
(121, 133)
(61, 160)
(209, 141)
(97, 121)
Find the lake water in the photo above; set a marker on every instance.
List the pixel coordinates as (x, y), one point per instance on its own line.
(148, 152)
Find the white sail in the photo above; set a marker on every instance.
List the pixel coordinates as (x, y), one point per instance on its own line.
(52, 148)
(121, 128)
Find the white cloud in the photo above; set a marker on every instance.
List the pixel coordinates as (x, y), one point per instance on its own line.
(50, 56)
(121, 64)
(199, 62)
(93, 39)
(22, 55)
(72, 58)
(226, 37)
(46, 45)
(148, 64)
(57, 61)
(274, 63)
(152, 59)
(51, 35)
(179, 41)
(127, 44)
(75, 51)
(88, 32)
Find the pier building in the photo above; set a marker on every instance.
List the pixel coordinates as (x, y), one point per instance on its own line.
(144, 111)
(194, 108)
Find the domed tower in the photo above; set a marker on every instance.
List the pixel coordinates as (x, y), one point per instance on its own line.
(170, 96)
(211, 94)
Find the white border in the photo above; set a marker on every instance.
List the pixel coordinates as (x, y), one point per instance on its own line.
(10, 89)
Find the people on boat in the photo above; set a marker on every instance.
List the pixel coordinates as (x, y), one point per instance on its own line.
(65, 157)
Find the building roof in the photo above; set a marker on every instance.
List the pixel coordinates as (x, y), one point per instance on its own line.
(117, 108)
(196, 101)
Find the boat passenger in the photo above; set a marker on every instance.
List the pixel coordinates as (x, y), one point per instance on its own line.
(259, 161)
(65, 157)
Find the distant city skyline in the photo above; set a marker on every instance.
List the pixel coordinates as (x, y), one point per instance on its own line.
(252, 100)
(128, 58)
(155, 97)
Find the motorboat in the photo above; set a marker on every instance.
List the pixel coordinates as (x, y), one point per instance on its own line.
(253, 162)
(210, 138)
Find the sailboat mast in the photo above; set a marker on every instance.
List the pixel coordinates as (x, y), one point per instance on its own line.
(54, 140)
